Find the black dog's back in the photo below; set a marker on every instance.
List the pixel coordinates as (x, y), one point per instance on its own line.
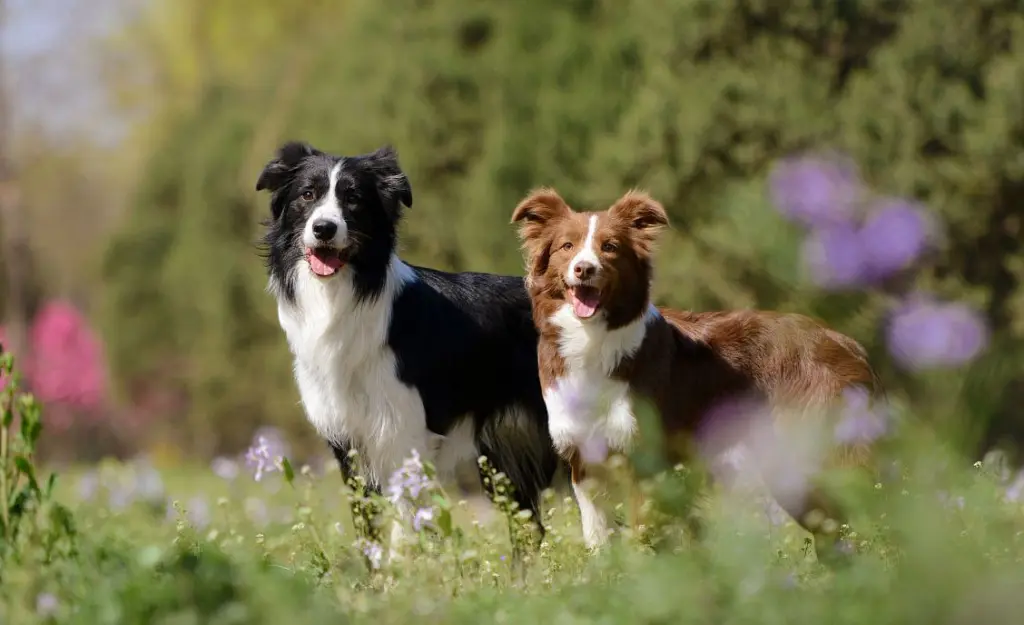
(467, 342)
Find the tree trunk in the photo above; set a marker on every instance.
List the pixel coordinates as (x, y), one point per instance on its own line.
(14, 246)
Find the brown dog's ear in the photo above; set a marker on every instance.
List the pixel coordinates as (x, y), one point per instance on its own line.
(537, 210)
(641, 211)
(534, 213)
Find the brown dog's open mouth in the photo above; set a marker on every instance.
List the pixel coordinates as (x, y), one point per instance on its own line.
(325, 261)
(585, 300)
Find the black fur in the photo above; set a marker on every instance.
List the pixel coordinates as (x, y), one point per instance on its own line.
(465, 341)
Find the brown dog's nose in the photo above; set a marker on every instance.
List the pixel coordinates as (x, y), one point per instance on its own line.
(584, 270)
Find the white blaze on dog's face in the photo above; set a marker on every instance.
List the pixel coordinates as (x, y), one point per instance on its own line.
(598, 262)
(326, 232)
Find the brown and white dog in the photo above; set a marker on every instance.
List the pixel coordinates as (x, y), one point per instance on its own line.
(603, 344)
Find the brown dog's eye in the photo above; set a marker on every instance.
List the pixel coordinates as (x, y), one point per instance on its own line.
(608, 247)
(567, 246)
(308, 196)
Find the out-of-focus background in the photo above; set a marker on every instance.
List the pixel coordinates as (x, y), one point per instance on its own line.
(860, 161)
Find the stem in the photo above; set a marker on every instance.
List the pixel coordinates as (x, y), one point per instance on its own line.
(4, 497)
(315, 534)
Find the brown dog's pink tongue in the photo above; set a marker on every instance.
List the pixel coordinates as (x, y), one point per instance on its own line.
(324, 263)
(585, 302)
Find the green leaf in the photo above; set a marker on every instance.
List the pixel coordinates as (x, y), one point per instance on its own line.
(25, 467)
(286, 468)
(51, 482)
(444, 522)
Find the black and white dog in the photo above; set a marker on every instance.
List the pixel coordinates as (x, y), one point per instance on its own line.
(390, 357)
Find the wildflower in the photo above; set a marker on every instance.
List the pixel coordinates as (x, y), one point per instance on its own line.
(198, 512)
(949, 501)
(224, 468)
(835, 257)
(594, 449)
(148, 484)
(409, 480)
(120, 497)
(860, 422)
(422, 518)
(67, 361)
(373, 552)
(46, 604)
(925, 334)
(259, 459)
(88, 484)
(894, 235)
(817, 191)
(1014, 490)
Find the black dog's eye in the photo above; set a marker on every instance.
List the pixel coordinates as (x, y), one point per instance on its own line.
(567, 246)
(608, 247)
(308, 195)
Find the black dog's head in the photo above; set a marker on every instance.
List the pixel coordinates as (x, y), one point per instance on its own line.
(331, 214)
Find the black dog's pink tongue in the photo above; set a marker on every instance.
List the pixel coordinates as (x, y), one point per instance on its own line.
(324, 262)
(585, 301)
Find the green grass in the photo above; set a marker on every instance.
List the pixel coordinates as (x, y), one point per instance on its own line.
(934, 539)
(921, 557)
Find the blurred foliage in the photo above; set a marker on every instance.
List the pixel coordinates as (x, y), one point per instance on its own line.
(692, 99)
(936, 541)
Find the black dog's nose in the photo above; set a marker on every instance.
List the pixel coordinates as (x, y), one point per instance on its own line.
(324, 229)
(584, 270)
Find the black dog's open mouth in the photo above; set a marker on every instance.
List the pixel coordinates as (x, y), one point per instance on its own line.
(585, 300)
(325, 261)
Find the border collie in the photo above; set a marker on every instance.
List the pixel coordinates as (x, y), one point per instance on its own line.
(603, 344)
(389, 357)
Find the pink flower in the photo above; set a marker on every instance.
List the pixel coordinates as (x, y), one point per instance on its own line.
(67, 362)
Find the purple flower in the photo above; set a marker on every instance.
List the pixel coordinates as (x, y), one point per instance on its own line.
(949, 501)
(277, 444)
(594, 449)
(1014, 490)
(259, 458)
(372, 550)
(198, 512)
(836, 257)
(422, 518)
(46, 604)
(925, 334)
(816, 191)
(408, 480)
(894, 235)
(225, 468)
(860, 421)
(88, 484)
(149, 485)
(120, 497)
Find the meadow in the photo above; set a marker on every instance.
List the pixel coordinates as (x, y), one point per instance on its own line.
(253, 539)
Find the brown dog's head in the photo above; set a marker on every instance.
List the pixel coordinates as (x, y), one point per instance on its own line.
(598, 262)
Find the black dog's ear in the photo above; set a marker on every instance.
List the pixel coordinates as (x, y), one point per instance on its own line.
(392, 183)
(280, 169)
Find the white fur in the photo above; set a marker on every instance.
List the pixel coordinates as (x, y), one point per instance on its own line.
(595, 525)
(586, 403)
(347, 376)
(586, 254)
(328, 209)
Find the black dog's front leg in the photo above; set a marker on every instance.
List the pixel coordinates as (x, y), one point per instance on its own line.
(365, 510)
